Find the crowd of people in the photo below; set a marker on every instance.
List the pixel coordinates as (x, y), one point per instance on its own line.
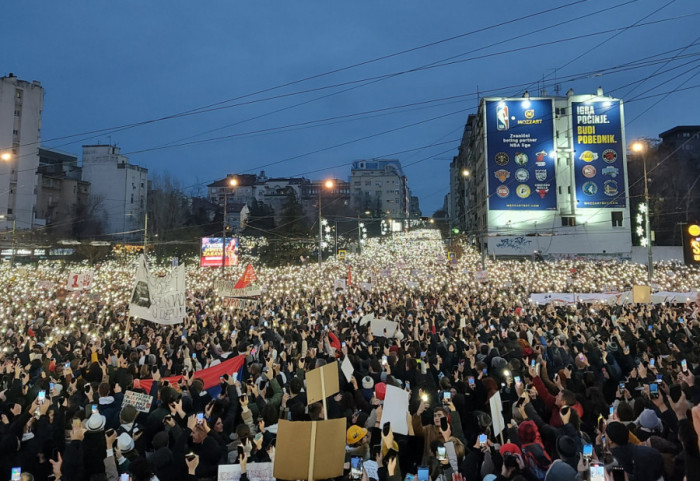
(588, 391)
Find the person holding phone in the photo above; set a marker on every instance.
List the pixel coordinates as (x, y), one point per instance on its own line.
(446, 427)
(643, 462)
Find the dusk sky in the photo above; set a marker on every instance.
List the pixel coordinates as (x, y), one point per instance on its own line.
(109, 64)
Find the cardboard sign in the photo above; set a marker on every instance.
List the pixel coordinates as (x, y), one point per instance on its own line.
(481, 276)
(228, 289)
(322, 382)
(366, 319)
(79, 281)
(395, 409)
(236, 303)
(641, 294)
(347, 368)
(310, 449)
(342, 254)
(142, 402)
(498, 423)
(254, 471)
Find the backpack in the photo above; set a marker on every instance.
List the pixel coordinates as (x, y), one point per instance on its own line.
(536, 460)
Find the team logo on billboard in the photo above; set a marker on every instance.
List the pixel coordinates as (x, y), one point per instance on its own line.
(542, 189)
(522, 191)
(501, 158)
(610, 187)
(541, 175)
(502, 175)
(588, 156)
(521, 158)
(589, 171)
(521, 175)
(589, 188)
(502, 121)
(609, 156)
(540, 158)
(502, 191)
(530, 113)
(611, 171)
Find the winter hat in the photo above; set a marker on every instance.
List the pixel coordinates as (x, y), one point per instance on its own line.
(527, 432)
(125, 443)
(380, 390)
(617, 433)
(510, 448)
(367, 382)
(128, 414)
(160, 440)
(649, 421)
(567, 449)
(355, 434)
(96, 422)
(560, 471)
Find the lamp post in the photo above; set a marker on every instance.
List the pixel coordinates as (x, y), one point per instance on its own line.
(640, 148)
(328, 185)
(233, 183)
(465, 176)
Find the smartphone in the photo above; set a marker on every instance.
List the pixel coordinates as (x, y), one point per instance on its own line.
(423, 473)
(532, 363)
(356, 467)
(621, 386)
(482, 439)
(41, 397)
(422, 354)
(520, 402)
(684, 366)
(587, 450)
(659, 378)
(51, 386)
(618, 473)
(76, 423)
(386, 428)
(443, 423)
(265, 323)
(241, 451)
(384, 360)
(94, 409)
(409, 477)
(470, 380)
(407, 384)
(612, 410)
(653, 390)
(66, 366)
(200, 418)
(342, 344)
(124, 477)
(16, 474)
(650, 327)
(109, 432)
(446, 397)
(516, 379)
(597, 472)
(485, 371)
(441, 454)
(652, 362)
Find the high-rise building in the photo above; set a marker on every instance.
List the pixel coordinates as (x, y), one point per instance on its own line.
(547, 174)
(380, 186)
(118, 189)
(21, 103)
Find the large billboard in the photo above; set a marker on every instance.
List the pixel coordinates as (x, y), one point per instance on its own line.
(598, 154)
(212, 254)
(691, 244)
(519, 140)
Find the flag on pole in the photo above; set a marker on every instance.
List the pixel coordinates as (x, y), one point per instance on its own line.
(247, 277)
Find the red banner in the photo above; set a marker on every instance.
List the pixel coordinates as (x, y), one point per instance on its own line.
(210, 375)
(247, 277)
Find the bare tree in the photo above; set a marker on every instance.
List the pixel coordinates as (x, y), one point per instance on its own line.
(168, 208)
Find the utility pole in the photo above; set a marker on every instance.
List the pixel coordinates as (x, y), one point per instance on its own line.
(14, 242)
(145, 234)
(223, 238)
(320, 228)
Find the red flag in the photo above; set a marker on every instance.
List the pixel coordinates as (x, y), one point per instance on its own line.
(247, 277)
(349, 276)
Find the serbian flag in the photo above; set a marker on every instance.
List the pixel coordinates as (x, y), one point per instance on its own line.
(211, 375)
(349, 276)
(247, 277)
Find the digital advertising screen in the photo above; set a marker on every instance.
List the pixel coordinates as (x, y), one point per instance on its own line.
(211, 253)
(598, 154)
(519, 144)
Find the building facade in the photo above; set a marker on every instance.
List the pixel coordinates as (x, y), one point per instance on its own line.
(548, 174)
(119, 189)
(380, 186)
(21, 104)
(61, 193)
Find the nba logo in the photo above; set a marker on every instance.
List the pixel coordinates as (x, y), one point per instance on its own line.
(502, 117)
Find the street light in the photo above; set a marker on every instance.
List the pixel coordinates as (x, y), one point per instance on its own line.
(6, 156)
(328, 185)
(233, 183)
(640, 148)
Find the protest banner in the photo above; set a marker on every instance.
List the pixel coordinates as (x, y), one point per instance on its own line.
(366, 319)
(641, 294)
(346, 367)
(310, 449)
(395, 409)
(254, 472)
(142, 402)
(45, 285)
(228, 289)
(158, 299)
(383, 328)
(339, 285)
(481, 276)
(236, 303)
(80, 281)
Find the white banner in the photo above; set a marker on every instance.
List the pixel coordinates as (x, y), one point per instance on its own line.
(142, 402)
(226, 289)
(80, 281)
(378, 326)
(236, 303)
(158, 299)
(254, 471)
(395, 409)
(611, 298)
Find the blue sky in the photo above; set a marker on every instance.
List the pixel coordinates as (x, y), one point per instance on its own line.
(110, 64)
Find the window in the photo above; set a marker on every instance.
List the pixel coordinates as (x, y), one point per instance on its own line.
(616, 217)
(568, 221)
(18, 113)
